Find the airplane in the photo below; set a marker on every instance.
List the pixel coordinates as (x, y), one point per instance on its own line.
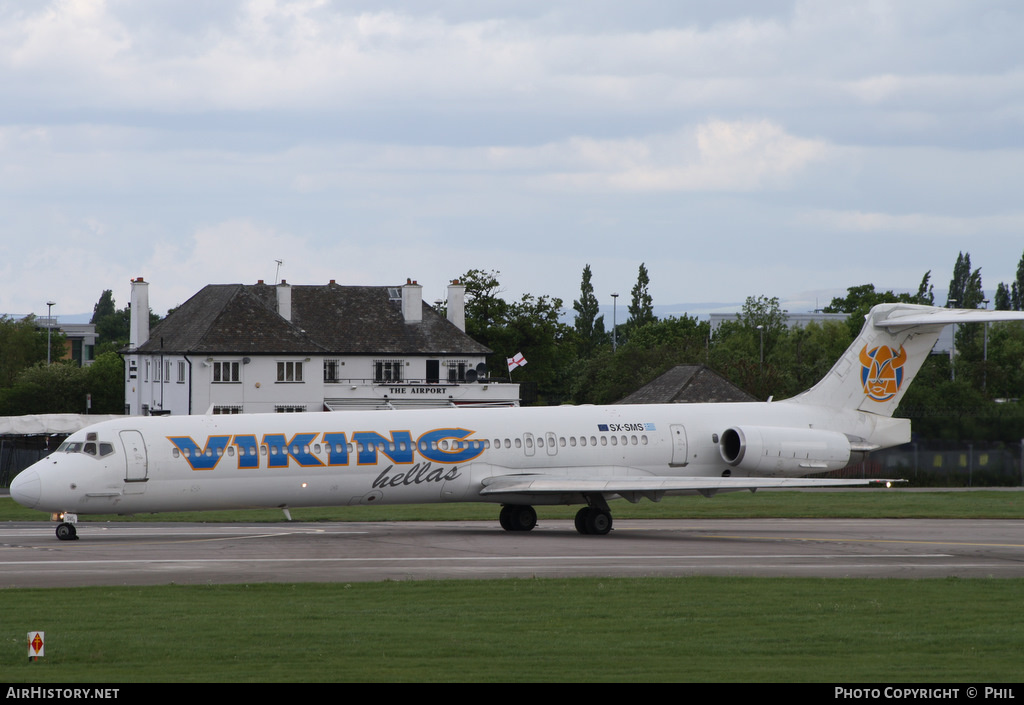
(517, 457)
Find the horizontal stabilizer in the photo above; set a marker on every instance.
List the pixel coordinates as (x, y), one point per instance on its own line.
(945, 316)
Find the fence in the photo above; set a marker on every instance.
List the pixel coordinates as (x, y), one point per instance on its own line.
(927, 463)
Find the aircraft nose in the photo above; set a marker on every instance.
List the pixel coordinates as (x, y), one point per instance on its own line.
(26, 488)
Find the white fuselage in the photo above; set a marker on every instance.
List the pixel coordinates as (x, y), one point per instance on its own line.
(158, 464)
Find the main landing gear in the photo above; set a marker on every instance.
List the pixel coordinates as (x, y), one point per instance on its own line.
(593, 520)
(517, 517)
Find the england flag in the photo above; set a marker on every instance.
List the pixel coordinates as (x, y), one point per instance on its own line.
(517, 361)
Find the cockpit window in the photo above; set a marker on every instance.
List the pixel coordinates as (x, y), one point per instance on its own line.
(92, 448)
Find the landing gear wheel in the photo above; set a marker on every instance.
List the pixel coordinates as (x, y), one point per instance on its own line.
(581, 520)
(66, 532)
(517, 517)
(599, 522)
(593, 521)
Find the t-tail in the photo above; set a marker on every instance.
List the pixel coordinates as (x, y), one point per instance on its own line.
(876, 370)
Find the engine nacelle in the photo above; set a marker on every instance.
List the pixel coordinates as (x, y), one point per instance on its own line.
(767, 450)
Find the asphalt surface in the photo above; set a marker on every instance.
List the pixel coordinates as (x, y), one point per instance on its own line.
(166, 553)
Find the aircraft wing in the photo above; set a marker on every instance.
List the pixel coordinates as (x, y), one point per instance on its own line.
(644, 485)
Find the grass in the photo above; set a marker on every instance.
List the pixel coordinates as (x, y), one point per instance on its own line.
(586, 630)
(860, 504)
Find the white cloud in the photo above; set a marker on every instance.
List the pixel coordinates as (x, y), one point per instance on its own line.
(715, 156)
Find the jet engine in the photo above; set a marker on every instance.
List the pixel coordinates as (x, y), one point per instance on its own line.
(767, 450)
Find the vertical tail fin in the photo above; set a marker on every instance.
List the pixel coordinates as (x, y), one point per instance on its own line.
(875, 371)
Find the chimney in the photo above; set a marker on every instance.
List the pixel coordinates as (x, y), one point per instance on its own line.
(412, 302)
(139, 320)
(457, 304)
(284, 300)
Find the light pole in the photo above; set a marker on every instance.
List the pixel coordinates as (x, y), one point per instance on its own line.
(49, 328)
(984, 373)
(760, 330)
(951, 303)
(615, 310)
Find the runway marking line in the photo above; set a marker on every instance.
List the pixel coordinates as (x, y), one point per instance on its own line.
(862, 540)
(131, 561)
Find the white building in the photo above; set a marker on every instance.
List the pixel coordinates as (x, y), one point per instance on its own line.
(236, 348)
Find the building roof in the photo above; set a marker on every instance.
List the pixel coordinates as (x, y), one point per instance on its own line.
(688, 384)
(325, 320)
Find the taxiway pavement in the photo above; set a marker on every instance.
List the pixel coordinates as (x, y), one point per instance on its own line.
(165, 553)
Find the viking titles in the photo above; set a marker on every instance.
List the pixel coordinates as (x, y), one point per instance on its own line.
(328, 449)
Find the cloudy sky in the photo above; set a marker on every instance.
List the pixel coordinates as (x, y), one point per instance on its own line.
(738, 148)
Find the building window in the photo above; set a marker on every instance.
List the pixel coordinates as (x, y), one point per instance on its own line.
(289, 372)
(281, 409)
(387, 371)
(332, 370)
(457, 371)
(227, 410)
(226, 371)
(181, 371)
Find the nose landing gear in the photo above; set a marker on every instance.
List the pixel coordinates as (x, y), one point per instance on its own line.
(67, 532)
(66, 528)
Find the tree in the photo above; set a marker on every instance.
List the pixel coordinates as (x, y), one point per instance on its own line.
(965, 292)
(651, 350)
(805, 354)
(965, 287)
(860, 299)
(484, 306)
(641, 308)
(1018, 287)
(23, 344)
(104, 380)
(1004, 299)
(104, 307)
(736, 349)
(1011, 297)
(763, 312)
(589, 325)
(46, 389)
(113, 325)
(925, 291)
(531, 326)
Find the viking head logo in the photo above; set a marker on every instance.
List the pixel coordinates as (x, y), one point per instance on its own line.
(882, 373)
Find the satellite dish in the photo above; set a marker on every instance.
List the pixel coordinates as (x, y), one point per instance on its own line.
(471, 376)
